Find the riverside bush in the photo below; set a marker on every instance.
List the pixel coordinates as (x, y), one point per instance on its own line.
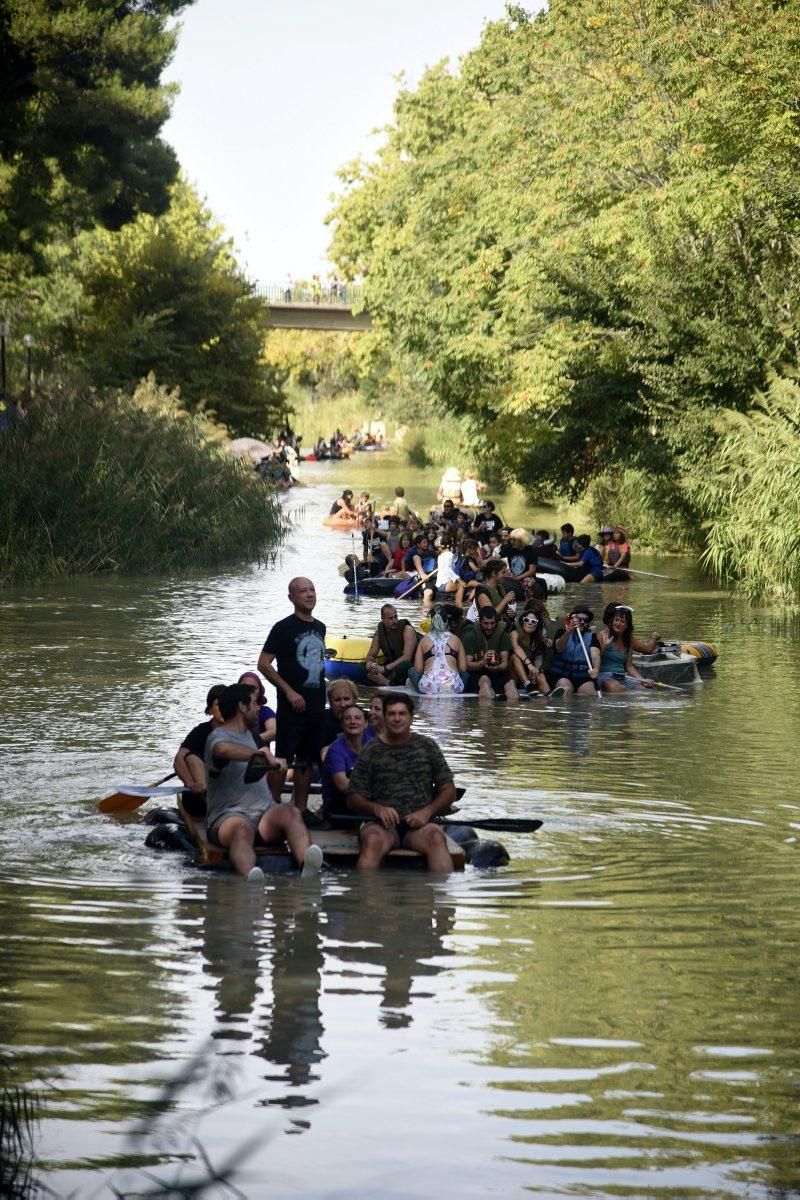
(92, 483)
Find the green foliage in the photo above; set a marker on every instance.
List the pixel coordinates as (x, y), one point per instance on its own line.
(587, 239)
(752, 490)
(82, 107)
(325, 361)
(166, 295)
(94, 483)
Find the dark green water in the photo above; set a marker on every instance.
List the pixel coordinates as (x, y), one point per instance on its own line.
(616, 1014)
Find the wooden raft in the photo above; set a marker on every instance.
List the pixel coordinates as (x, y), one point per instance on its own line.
(339, 846)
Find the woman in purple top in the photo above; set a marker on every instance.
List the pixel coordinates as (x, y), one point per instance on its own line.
(266, 715)
(341, 758)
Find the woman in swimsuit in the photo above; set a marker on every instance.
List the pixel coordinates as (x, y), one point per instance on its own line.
(617, 672)
(440, 660)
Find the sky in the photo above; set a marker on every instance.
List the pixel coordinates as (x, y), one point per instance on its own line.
(277, 95)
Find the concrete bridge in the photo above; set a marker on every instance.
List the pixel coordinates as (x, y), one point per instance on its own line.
(303, 306)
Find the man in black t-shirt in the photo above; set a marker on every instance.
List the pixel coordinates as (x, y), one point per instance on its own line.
(297, 646)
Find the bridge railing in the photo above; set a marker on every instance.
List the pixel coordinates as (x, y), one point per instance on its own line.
(338, 295)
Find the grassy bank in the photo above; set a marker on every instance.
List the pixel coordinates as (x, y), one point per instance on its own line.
(125, 483)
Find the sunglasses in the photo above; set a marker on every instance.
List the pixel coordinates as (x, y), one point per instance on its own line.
(530, 620)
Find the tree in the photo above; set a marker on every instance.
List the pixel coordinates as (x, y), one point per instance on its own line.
(82, 106)
(165, 295)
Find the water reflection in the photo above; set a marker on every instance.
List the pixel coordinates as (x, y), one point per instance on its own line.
(616, 1013)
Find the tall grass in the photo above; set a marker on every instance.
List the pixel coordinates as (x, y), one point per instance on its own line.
(19, 1112)
(751, 495)
(94, 483)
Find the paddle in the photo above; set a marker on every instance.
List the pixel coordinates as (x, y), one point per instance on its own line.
(355, 566)
(637, 571)
(596, 682)
(498, 824)
(405, 595)
(127, 799)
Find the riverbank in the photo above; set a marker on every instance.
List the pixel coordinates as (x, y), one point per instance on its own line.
(91, 484)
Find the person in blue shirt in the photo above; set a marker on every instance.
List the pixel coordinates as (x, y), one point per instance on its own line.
(341, 758)
(590, 560)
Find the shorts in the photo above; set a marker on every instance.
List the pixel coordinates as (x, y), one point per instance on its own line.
(298, 737)
(401, 828)
(249, 814)
(633, 685)
(576, 680)
(498, 680)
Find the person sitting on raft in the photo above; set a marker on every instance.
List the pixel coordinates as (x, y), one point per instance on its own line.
(488, 650)
(267, 726)
(375, 715)
(396, 640)
(617, 672)
(447, 578)
(343, 507)
(189, 764)
(340, 760)
(587, 558)
(240, 806)
(396, 568)
(401, 782)
(531, 649)
(341, 693)
(440, 664)
(521, 558)
(568, 546)
(571, 647)
(618, 552)
(637, 644)
(491, 593)
(486, 521)
(421, 561)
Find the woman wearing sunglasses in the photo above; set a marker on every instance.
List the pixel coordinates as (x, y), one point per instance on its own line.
(617, 672)
(529, 649)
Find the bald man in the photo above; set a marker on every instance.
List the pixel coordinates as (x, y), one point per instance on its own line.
(297, 646)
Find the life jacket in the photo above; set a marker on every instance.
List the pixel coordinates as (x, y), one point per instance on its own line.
(571, 662)
(391, 647)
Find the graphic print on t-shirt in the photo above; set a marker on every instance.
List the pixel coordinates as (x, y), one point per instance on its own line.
(311, 657)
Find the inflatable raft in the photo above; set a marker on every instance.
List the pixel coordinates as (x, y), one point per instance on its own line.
(382, 585)
(337, 521)
(570, 574)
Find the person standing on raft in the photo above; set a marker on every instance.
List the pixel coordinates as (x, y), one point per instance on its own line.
(297, 644)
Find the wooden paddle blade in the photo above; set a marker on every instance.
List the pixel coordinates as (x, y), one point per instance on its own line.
(119, 802)
(127, 802)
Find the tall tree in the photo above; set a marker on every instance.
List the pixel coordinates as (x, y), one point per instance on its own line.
(81, 107)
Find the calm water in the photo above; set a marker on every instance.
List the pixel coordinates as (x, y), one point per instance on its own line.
(615, 1014)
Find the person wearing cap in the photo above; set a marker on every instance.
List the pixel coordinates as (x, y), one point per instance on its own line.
(188, 764)
(573, 644)
(617, 672)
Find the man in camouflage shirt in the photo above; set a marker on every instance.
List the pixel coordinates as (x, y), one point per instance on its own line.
(400, 783)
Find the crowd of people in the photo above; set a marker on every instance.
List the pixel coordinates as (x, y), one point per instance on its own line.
(456, 552)
(340, 445)
(375, 769)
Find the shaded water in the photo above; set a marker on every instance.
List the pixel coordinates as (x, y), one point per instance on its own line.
(614, 1014)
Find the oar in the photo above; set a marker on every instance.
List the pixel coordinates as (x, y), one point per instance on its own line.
(417, 584)
(636, 571)
(355, 564)
(596, 682)
(498, 824)
(669, 686)
(127, 799)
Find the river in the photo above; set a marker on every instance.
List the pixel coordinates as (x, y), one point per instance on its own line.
(614, 1014)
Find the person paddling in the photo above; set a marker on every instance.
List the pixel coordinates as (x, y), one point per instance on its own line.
(570, 668)
(240, 806)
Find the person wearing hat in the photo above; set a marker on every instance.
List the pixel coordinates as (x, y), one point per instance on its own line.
(602, 545)
(572, 646)
(618, 552)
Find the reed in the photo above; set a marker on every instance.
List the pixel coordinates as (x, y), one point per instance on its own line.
(92, 483)
(750, 494)
(19, 1113)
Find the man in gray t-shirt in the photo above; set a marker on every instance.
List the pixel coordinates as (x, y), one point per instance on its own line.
(401, 781)
(240, 807)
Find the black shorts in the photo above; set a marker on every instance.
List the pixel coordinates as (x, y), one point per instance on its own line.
(498, 680)
(298, 737)
(576, 680)
(401, 828)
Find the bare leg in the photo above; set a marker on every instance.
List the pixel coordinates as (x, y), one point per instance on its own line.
(276, 780)
(376, 842)
(431, 842)
(485, 689)
(302, 782)
(588, 689)
(284, 822)
(237, 836)
(510, 690)
(612, 685)
(566, 685)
